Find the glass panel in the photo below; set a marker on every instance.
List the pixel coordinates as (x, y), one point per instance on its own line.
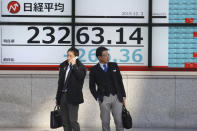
(112, 11)
(127, 45)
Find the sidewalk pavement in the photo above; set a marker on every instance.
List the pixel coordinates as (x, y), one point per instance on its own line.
(94, 129)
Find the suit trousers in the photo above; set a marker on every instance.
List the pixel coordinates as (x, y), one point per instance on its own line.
(111, 104)
(69, 113)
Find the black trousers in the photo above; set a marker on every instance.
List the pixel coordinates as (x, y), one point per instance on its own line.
(69, 114)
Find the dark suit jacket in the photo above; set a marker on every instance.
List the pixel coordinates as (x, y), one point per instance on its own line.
(96, 79)
(75, 82)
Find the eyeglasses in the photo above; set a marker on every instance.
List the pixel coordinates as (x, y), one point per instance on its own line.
(106, 55)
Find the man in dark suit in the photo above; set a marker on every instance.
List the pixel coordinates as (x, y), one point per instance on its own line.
(69, 94)
(110, 89)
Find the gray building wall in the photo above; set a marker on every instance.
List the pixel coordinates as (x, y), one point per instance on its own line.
(154, 99)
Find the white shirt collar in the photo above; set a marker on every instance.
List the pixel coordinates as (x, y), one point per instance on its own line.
(101, 65)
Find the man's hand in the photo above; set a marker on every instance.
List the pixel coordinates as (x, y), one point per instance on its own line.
(73, 61)
(124, 101)
(57, 103)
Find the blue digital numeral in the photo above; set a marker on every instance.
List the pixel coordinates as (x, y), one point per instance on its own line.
(92, 55)
(137, 57)
(125, 54)
(82, 55)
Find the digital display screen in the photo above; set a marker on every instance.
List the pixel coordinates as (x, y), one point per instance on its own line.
(26, 41)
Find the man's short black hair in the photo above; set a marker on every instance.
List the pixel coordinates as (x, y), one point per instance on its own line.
(74, 50)
(100, 50)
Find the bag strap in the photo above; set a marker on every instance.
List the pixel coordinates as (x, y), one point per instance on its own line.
(123, 106)
(57, 107)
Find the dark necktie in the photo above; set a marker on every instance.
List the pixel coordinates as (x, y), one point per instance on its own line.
(105, 67)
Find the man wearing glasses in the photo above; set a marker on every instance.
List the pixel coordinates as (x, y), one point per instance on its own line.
(110, 91)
